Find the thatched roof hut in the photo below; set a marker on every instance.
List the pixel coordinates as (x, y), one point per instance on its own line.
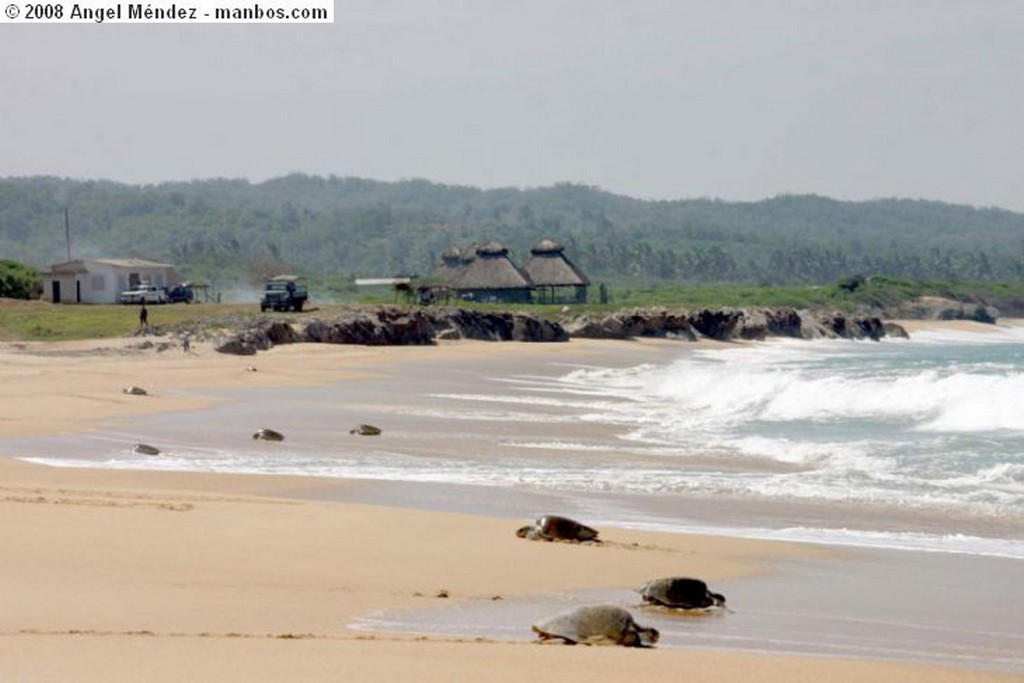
(555, 277)
(450, 267)
(492, 276)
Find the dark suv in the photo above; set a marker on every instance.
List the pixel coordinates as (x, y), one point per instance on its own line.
(180, 294)
(284, 292)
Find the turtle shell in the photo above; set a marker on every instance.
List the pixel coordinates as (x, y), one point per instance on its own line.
(268, 435)
(365, 430)
(596, 623)
(680, 592)
(558, 528)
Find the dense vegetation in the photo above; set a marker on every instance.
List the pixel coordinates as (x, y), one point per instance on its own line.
(333, 229)
(18, 281)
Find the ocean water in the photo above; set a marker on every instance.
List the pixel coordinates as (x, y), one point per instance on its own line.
(904, 443)
(935, 423)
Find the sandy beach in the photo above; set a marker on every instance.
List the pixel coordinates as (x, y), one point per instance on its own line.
(167, 576)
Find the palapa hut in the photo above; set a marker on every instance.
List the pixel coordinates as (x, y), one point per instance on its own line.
(491, 276)
(555, 278)
(487, 273)
(437, 287)
(450, 267)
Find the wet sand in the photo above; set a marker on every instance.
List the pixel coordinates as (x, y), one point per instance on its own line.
(169, 576)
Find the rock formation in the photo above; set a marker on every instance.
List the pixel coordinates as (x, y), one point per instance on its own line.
(393, 325)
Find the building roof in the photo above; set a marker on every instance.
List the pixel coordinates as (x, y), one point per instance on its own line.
(546, 246)
(132, 263)
(491, 269)
(450, 266)
(81, 265)
(548, 266)
(381, 281)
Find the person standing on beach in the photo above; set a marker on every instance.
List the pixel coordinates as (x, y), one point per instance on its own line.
(143, 317)
(186, 343)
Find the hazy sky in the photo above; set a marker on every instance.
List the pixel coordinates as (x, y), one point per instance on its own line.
(739, 100)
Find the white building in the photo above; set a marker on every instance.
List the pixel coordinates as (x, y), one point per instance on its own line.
(101, 281)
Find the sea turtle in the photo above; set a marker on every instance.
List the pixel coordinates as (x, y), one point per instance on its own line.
(558, 528)
(268, 435)
(134, 390)
(681, 592)
(145, 449)
(594, 624)
(365, 430)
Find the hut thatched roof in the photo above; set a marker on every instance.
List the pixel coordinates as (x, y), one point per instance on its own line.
(546, 246)
(548, 266)
(450, 266)
(491, 269)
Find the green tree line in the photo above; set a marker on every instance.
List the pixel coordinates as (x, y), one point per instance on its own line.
(225, 230)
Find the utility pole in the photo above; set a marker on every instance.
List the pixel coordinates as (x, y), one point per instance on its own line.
(67, 231)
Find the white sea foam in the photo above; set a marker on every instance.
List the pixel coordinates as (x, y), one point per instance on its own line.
(531, 400)
(946, 543)
(913, 421)
(972, 403)
(556, 445)
(997, 334)
(484, 415)
(721, 394)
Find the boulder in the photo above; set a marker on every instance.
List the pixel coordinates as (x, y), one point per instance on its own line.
(940, 308)
(721, 324)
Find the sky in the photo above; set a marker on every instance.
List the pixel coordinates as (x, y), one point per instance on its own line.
(738, 100)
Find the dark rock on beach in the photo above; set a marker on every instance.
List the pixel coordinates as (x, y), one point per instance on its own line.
(938, 308)
(726, 324)
(377, 327)
(460, 323)
(632, 324)
(393, 325)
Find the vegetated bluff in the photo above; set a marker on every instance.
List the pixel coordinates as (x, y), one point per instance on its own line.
(216, 230)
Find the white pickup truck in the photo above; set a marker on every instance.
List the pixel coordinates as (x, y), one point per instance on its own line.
(145, 293)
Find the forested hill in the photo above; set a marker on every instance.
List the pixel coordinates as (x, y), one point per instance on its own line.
(349, 226)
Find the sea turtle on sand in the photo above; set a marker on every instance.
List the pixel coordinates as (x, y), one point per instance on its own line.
(134, 390)
(558, 528)
(365, 430)
(268, 435)
(681, 592)
(596, 624)
(145, 449)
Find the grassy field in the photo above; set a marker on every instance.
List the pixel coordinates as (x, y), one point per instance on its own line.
(41, 321)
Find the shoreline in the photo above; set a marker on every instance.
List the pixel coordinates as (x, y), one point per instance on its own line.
(80, 593)
(390, 385)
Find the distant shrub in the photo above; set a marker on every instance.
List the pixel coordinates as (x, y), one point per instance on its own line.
(851, 283)
(19, 281)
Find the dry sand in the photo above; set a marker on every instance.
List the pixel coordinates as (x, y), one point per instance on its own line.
(145, 576)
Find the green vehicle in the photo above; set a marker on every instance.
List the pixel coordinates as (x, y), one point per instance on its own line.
(284, 293)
